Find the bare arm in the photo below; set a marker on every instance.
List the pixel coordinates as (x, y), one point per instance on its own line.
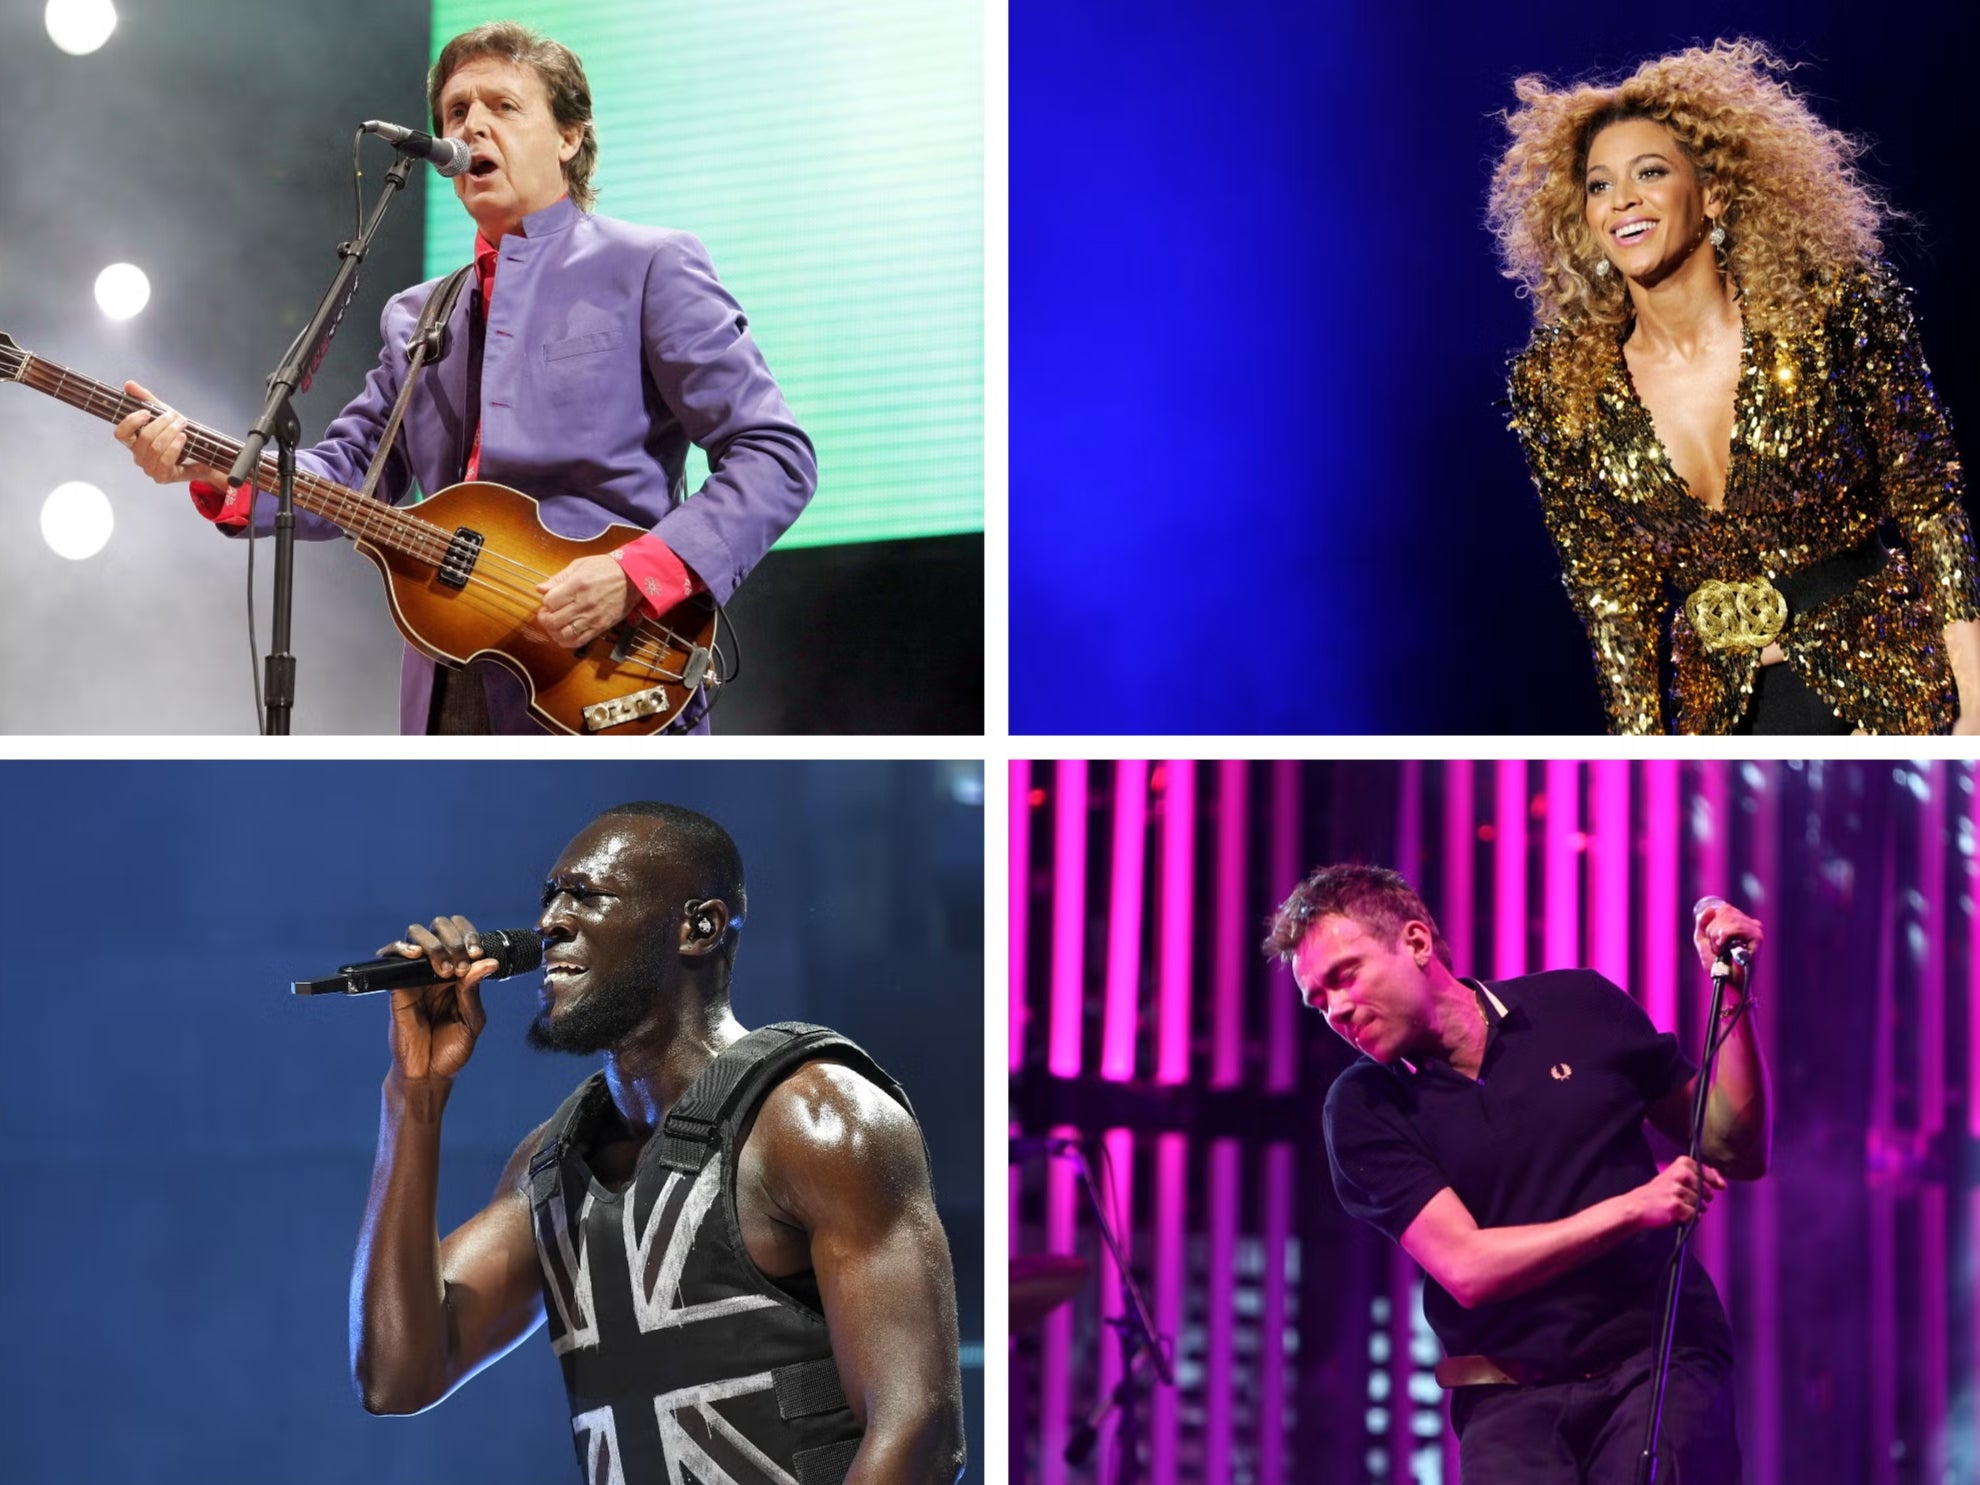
(426, 1315)
(1963, 650)
(1483, 1265)
(845, 1163)
(1739, 1123)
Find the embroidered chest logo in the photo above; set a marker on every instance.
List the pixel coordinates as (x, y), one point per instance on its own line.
(1562, 1072)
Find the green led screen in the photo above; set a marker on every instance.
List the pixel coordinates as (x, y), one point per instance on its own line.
(830, 155)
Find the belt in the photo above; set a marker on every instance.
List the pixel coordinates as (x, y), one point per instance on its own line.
(1751, 614)
(1488, 1371)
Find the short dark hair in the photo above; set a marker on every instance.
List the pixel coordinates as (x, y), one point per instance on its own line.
(705, 847)
(563, 79)
(1373, 896)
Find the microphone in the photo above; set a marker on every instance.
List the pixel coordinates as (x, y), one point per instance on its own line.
(1023, 1147)
(514, 950)
(1736, 949)
(448, 156)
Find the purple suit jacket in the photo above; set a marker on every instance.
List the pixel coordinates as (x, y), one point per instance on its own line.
(610, 347)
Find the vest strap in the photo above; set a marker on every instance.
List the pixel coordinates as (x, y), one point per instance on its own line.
(692, 1129)
(808, 1387)
(828, 1464)
(546, 1166)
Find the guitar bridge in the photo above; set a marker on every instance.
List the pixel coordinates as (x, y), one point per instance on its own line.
(648, 703)
(462, 553)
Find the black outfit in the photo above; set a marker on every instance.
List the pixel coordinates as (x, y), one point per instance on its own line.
(681, 1358)
(1552, 1125)
(1784, 706)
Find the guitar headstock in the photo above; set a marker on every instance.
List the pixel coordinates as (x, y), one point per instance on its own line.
(13, 360)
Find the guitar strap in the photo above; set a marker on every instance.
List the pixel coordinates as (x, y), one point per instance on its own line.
(428, 342)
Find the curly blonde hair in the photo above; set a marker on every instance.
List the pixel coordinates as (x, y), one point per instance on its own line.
(1798, 212)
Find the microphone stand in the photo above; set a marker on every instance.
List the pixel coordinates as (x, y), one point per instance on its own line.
(1139, 1343)
(1722, 968)
(278, 421)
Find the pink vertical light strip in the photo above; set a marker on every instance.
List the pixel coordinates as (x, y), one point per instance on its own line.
(1237, 919)
(1110, 1299)
(1759, 1233)
(1055, 1351)
(1456, 913)
(1608, 875)
(1013, 1244)
(1409, 823)
(1561, 934)
(1930, 1303)
(1509, 871)
(1277, 1240)
(1714, 862)
(1973, 999)
(1662, 933)
(1171, 1278)
(1178, 922)
(1220, 1359)
(1282, 1007)
(1884, 1361)
(1972, 896)
(1019, 906)
(1122, 1018)
(1068, 917)
(1402, 1268)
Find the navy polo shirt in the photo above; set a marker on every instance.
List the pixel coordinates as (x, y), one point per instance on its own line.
(1553, 1124)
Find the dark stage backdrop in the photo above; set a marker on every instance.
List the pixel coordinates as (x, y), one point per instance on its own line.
(189, 1146)
(1143, 1019)
(1260, 479)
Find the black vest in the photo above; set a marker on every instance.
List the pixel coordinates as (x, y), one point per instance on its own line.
(682, 1360)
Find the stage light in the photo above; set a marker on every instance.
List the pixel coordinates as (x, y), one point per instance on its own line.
(76, 520)
(79, 27)
(122, 290)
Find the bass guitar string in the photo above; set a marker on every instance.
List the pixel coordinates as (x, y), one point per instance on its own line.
(371, 519)
(421, 539)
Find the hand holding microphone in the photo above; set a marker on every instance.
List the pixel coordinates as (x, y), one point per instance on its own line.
(435, 1024)
(1722, 931)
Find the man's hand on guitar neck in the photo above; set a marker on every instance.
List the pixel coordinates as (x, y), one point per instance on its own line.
(158, 443)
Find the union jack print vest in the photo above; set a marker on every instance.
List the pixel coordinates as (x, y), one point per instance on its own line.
(684, 1363)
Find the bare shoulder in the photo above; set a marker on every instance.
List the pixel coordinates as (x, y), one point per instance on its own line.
(827, 1127)
(828, 1106)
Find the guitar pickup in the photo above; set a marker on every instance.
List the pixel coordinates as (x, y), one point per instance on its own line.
(696, 667)
(462, 553)
(622, 709)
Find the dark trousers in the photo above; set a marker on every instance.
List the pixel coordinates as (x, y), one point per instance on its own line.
(1591, 1433)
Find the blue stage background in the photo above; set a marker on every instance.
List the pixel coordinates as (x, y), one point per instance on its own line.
(189, 1146)
(1259, 478)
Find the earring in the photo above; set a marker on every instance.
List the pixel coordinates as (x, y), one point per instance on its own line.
(1717, 236)
(1602, 268)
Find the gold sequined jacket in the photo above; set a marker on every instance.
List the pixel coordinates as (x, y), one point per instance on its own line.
(1833, 433)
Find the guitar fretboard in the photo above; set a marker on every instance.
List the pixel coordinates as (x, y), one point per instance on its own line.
(372, 520)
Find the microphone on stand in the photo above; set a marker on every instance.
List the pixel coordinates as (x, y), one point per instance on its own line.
(514, 950)
(448, 156)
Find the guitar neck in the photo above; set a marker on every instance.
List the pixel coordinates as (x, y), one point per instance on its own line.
(372, 520)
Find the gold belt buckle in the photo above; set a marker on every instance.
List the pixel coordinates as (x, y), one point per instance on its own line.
(1737, 616)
